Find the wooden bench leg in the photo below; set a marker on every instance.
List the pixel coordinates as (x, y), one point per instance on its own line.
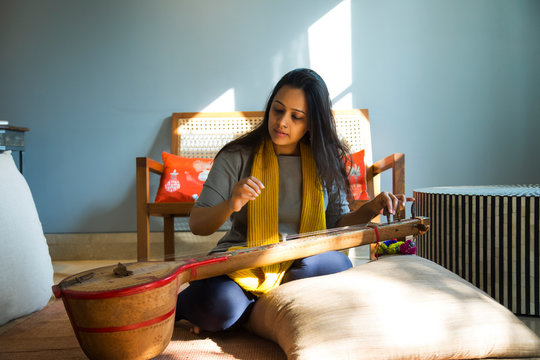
(143, 236)
(143, 218)
(168, 238)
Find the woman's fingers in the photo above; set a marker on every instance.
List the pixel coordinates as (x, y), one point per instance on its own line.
(389, 202)
(256, 182)
(244, 190)
(393, 202)
(386, 202)
(253, 186)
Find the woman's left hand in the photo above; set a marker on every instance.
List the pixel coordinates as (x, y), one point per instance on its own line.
(372, 208)
(390, 202)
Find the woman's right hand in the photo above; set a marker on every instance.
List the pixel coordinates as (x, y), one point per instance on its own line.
(244, 190)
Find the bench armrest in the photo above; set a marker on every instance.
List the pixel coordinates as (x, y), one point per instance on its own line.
(150, 165)
(394, 162)
(145, 166)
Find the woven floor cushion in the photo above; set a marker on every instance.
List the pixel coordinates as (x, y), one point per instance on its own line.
(397, 307)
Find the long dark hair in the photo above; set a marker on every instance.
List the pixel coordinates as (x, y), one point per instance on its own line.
(328, 150)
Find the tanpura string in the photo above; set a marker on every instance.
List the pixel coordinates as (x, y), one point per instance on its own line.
(187, 256)
(327, 232)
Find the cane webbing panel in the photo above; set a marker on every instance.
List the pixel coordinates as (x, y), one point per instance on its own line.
(354, 129)
(204, 134)
(489, 236)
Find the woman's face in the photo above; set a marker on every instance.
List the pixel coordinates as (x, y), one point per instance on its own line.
(288, 120)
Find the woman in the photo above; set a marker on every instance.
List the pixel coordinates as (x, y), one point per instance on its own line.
(285, 177)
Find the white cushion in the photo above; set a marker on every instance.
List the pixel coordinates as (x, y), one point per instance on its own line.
(26, 273)
(398, 307)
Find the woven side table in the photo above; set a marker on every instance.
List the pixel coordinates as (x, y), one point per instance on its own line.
(488, 235)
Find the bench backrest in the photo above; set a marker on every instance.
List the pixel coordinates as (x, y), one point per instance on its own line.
(202, 134)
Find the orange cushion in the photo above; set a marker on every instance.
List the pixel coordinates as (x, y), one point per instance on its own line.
(182, 178)
(357, 176)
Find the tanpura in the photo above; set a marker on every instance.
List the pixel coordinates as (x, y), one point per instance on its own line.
(127, 312)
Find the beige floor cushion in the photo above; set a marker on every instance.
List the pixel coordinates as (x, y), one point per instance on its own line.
(26, 273)
(398, 307)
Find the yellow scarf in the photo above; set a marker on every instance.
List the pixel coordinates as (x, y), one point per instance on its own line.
(263, 220)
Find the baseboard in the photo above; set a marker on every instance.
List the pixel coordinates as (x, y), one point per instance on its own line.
(111, 246)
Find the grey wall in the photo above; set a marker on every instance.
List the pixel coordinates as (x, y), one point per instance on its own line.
(452, 84)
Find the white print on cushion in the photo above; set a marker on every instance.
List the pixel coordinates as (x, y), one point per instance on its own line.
(201, 166)
(355, 171)
(173, 184)
(204, 175)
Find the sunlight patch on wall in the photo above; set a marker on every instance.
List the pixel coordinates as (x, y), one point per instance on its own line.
(225, 102)
(330, 52)
(343, 102)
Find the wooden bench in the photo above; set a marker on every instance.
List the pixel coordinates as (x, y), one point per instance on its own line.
(203, 134)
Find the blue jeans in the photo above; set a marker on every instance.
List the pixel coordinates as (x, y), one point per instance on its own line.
(219, 303)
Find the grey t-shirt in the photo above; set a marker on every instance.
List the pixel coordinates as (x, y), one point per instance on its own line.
(231, 166)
